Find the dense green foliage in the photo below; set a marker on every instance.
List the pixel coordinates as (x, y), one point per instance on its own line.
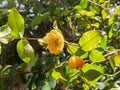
(91, 31)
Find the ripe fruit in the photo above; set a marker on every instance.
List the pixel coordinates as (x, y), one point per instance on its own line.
(75, 62)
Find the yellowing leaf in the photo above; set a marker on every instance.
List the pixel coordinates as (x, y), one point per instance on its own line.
(117, 59)
(89, 40)
(117, 10)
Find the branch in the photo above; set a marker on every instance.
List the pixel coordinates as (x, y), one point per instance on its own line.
(112, 53)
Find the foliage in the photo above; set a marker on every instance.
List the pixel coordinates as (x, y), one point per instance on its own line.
(59, 45)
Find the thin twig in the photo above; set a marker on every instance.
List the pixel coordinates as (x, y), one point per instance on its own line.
(112, 53)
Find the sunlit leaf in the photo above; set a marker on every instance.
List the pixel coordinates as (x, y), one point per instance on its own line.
(111, 19)
(26, 52)
(102, 1)
(104, 14)
(77, 7)
(103, 42)
(87, 13)
(92, 73)
(117, 10)
(110, 33)
(89, 40)
(112, 64)
(57, 75)
(16, 23)
(72, 49)
(117, 59)
(96, 56)
(96, 25)
(5, 34)
(83, 4)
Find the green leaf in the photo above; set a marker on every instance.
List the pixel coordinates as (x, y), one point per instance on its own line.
(92, 73)
(110, 33)
(96, 56)
(5, 34)
(104, 14)
(103, 42)
(40, 18)
(117, 59)
(57, 75)
(112, 64)
(89, 40)
(46, 87)
(40, 80)
(117, 10)
(52, 83)
(16, 23)
(26, 52)
(87, 13)
(81, 53)
(83, 4)
(72, 49)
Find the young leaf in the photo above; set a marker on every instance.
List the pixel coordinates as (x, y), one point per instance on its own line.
(16, 23)
(26, 52)
(92, 73)
(96, 56)
(89, 40)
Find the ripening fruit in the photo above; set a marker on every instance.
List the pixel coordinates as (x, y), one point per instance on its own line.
(75, 62)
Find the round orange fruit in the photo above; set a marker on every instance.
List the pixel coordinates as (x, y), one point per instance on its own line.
(75, 62)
